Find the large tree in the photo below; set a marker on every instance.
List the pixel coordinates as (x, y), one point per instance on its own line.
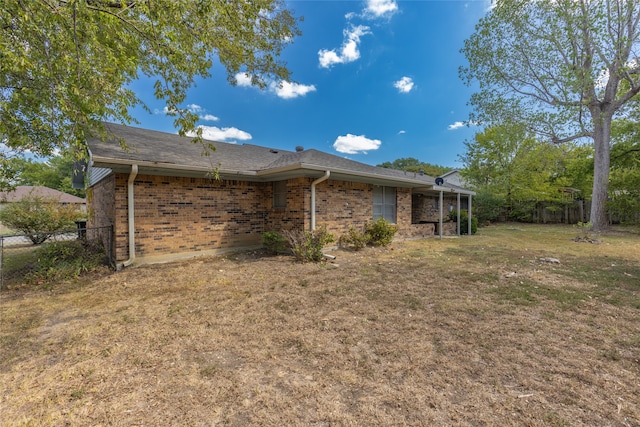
(411, 164)
(56, 173)
(67, 65)
(625, 168)
(515, 169)
(564, 68)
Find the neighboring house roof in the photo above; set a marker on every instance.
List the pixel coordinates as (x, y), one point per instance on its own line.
(27, 190)
(453, 177)
(451, 172)
(161, 153)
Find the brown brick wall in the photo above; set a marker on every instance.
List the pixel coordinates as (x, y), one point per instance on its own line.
(176, 215)
(341, 204)
(294, 215)
(426, 208)
(121, 224)
(190, 214)
(101, 210)
(403, 202)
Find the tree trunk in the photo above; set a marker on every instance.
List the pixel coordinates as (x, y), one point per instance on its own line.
(602, 161)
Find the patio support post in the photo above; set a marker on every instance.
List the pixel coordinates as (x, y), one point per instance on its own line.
(441, 207)
(458, 221)
(469, 216)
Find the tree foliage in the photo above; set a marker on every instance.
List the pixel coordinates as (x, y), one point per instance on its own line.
(511, 170)
(562, 68)
(411, 164)
(66, 66)
(39, 217)
(487, 206)
(55, 173)
(625, 169)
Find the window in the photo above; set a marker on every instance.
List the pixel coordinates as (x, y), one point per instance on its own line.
(280, 194)
(384, 203)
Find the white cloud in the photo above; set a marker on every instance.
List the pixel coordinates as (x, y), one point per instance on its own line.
(243, 79)
(349, 51)
(354, 144)
(213, 133)
(404, 85)
(458, 125)
(166, 110)
(283, 89)
(289, 90)
(194, 108)
(209, 118)
(402, 132)
(380, 8)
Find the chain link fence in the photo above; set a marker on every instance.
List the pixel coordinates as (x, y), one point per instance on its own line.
(19, 255)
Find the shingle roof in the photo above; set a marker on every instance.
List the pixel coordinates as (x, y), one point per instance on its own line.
(170, 149)
(319, 158)
(26, 190)
(162, 152)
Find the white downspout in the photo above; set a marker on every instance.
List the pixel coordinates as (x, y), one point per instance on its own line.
(313, 197)
(131, 217)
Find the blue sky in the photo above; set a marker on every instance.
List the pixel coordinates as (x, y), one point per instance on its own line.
(372, 80)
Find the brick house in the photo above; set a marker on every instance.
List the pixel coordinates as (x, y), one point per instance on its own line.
(161, 199)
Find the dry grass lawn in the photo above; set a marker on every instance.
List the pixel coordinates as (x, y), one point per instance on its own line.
(464, 331)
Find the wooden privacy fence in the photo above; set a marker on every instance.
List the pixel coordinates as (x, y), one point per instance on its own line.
(565, 213)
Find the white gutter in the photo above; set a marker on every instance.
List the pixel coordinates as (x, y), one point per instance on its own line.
(309, 166)
(108, 162)
(313, 197)
(131, 218)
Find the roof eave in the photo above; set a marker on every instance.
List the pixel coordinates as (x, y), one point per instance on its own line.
(154, 168)
(405, 182)
(454, 190)
(157, 168)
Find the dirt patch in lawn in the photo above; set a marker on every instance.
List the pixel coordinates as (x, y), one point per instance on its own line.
(468, 331)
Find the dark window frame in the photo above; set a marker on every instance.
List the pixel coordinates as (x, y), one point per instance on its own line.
(385, 203)
(279, 194)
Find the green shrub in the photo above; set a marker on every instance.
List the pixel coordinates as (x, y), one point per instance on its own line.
(487, 206)
(274, 242)
(354, 239)
(60, 261)
(307, 245)
(39, 217)
(464, 222)
(380, 232)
